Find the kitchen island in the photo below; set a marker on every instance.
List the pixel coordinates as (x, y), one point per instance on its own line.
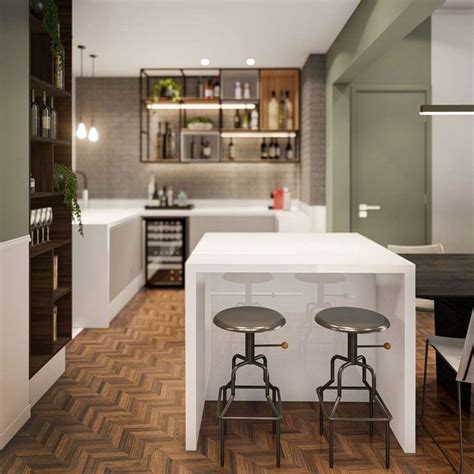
(370, 277)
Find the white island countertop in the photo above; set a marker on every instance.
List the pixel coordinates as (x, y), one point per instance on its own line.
(371, 277)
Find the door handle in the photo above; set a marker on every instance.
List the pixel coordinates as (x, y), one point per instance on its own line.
(363, 208)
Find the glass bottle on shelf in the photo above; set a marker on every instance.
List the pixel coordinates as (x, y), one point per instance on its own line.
(165, 144)
(59, 58)
(277, 149)
(263, 150)
(170, 143)
(254, 119)
(288, 112)
(34, 115)
(237, 119)
(231, 150)
(207, 150)
(193, 149)
(246, 119)
(45, 117)
(237, 90)
(201, 153)
(281, 111)
(289, 154)
(159, 143)
(246, 90)
(199, 89)
(217, 89)
(54, 121)
(271, 150)
(273, 112)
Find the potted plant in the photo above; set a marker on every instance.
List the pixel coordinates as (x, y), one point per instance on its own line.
(51, 26)
(200, 123)
(65, 181)
(166, 89)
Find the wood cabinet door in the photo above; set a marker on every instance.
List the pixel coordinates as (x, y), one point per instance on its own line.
(279, 80)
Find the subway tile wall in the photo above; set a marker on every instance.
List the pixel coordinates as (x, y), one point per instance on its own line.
(313, 131)
(112, 164)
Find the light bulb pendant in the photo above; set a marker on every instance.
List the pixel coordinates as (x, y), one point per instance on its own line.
(93, 134)
(81, 131)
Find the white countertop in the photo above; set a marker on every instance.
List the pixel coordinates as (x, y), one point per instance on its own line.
(341, 252)
(113, 212)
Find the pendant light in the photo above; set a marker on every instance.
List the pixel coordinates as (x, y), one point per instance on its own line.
(81, 131)
(93, 134)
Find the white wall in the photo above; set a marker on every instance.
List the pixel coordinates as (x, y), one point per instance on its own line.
(452, 76)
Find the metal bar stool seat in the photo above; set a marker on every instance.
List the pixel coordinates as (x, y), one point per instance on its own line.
(250, 320)
(353, 321)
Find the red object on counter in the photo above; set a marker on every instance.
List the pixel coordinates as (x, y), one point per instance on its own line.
(281, 199)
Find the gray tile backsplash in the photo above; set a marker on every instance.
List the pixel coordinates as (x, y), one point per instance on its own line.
(114, 171)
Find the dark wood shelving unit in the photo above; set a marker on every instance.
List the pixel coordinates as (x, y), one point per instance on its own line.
(47, 338)
(262, 82)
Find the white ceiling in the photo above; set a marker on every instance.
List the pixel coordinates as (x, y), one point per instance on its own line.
(130, 34)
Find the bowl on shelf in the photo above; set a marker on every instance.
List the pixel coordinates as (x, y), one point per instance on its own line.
(200, 126)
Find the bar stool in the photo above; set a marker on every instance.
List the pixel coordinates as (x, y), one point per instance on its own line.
(250, 320)
(353, 321)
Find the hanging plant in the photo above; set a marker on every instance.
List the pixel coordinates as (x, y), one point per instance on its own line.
(65, 181)
(51, 26)
(166, 89)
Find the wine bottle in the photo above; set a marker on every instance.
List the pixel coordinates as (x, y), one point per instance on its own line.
(217, 89)
(237, 90)
(289, 151)
(201, 153)
(237, 119)
(165, 144)
(263, 150)
(277, 149)
(171, 140)
(281, 111)
(54, 121)
(207, 149)
(273, 112)
(159, 143)
(199, 89)
(246, 120)
(254, 119)
(288, 112)
(231, 150)
(34, 115)
(271, 150)
(193, 150)
(45, 118)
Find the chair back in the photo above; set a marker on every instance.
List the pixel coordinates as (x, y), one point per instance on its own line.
(466, 367)
(433, 248)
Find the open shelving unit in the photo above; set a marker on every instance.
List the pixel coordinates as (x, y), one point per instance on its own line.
(220, 110)
(47, 338)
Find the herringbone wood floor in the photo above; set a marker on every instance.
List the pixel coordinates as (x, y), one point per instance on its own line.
(119, 408)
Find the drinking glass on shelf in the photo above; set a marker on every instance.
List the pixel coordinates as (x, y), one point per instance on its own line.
(43, 219)
(36, 224)
(32, 223)
(49, 221)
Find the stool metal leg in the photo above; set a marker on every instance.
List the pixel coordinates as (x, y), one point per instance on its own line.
(461, 448)
(387, 445)
(278, 445)
(221, 432)
(331, 443)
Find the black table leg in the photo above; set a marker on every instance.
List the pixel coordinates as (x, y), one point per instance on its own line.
(452, 316)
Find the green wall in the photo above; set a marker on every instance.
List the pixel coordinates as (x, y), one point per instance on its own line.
(369, 36)
(14, 118)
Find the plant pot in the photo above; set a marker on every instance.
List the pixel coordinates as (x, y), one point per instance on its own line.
(37, 7)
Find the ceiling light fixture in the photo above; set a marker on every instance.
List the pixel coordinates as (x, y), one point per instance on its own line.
(205, 62)
(250, 62)
(93, 133)
(81, 131)
(447, 109)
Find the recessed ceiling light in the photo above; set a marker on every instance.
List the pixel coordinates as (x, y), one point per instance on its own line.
(205, 62)
(250, 62)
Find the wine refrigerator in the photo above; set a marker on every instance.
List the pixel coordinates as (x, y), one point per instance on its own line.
(165, 251)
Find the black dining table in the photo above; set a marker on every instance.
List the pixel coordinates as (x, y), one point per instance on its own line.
(448, 279)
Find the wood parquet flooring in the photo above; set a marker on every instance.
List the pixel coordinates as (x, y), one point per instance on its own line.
(119, 408)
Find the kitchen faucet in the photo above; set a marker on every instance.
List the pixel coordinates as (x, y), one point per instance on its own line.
(85, 191)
